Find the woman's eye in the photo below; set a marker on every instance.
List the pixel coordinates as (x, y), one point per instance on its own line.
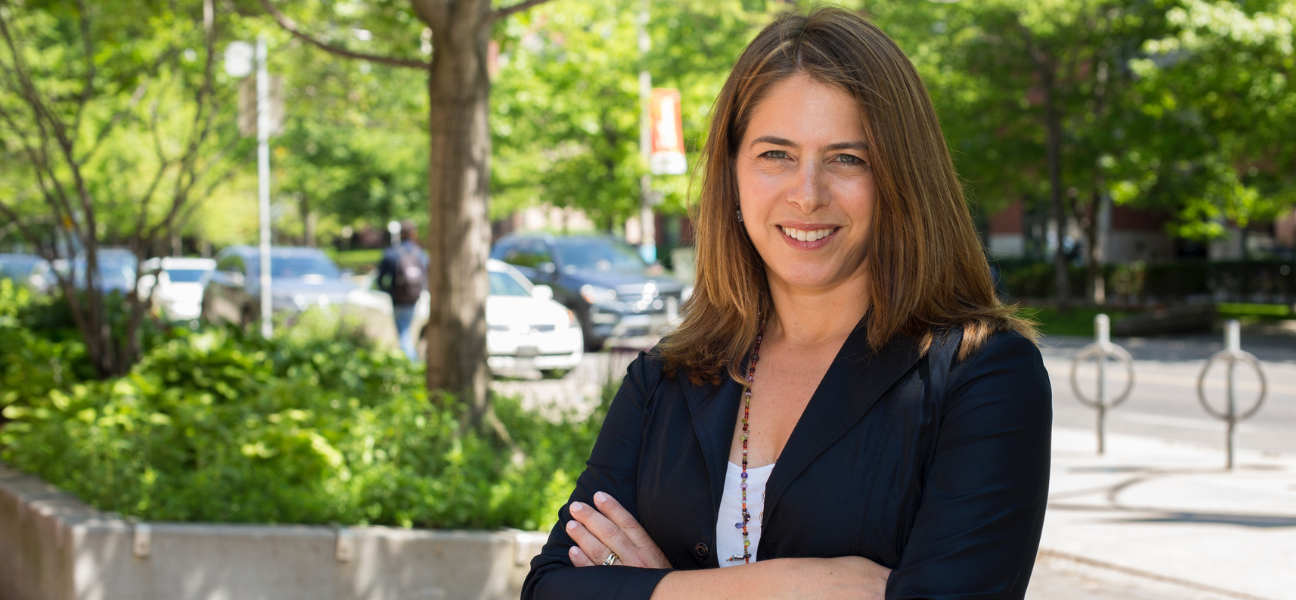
(849, 159)
(775, 154)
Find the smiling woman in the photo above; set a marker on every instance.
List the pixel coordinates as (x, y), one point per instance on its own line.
(894, 441)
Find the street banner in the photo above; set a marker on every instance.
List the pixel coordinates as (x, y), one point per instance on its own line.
(667, 156)
(247, 106)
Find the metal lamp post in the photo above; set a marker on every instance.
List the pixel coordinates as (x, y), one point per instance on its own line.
(240, 58)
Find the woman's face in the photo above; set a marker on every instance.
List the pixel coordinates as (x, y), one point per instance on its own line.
(805, 184)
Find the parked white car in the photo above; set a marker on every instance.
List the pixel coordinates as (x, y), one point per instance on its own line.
(175, 285)
(526, 329)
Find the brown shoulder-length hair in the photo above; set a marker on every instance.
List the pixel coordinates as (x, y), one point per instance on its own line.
(927, 269)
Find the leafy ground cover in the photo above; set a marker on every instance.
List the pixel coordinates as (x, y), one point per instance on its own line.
(217, 425)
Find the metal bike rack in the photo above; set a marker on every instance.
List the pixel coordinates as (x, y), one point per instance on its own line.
(1101, 350)
(1231, 355)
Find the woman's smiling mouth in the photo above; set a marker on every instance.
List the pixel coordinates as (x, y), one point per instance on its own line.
(807, 236)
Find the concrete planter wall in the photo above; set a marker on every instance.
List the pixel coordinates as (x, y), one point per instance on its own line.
(53, 547)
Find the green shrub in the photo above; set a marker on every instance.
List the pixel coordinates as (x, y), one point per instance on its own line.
(359, 261)
(224, 426)
(1186, 280)
(13, 299)
(34, 362)
(345, 324)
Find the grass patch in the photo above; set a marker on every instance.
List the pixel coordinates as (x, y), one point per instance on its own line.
(1076, 321)
(1080, 321)
(1257, 311)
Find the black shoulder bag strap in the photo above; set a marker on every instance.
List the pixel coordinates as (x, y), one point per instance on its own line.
(940, 356)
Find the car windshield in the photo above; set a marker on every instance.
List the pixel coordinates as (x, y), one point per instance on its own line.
(112, 269)
(296, 267)
(185, 275)
(503, 285)
(597, 255)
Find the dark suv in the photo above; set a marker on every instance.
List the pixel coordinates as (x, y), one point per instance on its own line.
(600, 278)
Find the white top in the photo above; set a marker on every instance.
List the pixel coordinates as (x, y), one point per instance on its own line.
(729, 538)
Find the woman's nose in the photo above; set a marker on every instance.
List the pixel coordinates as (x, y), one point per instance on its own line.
(807, 190)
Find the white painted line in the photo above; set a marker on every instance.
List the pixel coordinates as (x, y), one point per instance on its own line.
(1185, 422)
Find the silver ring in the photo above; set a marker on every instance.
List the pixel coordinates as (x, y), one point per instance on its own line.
(612, 558)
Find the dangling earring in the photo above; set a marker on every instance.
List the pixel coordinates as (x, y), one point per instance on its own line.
(740, 215)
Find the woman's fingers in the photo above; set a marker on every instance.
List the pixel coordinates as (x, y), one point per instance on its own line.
(587, 544)
(611, 528)
(579, 558)
(621, 517)
(604, 529)
(646, 548)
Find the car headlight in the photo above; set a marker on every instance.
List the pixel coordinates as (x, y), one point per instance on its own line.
(598, 295)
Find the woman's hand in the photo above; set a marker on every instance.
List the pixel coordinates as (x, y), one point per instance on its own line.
(611, 528)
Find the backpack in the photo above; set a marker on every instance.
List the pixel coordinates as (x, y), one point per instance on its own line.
(407, 283)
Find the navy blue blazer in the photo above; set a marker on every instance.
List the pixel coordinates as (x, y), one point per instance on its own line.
(947, 491)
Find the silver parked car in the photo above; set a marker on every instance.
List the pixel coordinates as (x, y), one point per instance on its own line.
(300, 278)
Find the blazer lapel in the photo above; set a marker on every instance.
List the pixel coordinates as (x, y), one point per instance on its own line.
(853, 383)
(714, 409)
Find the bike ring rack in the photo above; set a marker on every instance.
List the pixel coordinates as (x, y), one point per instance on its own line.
(1101, 350)
(1231, 355)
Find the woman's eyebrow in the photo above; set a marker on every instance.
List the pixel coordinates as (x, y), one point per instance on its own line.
(778, 141)
(861, 146)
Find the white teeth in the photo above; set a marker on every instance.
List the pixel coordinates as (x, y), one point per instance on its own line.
(807, 236)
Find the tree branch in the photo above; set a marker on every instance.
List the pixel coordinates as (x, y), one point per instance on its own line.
(508, 11)
(88, 88)
(52, 189)
(291, 27)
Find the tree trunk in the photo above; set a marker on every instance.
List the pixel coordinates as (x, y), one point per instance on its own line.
(308, 221)
(459, 188)
(1094, 284)
(1053, 127)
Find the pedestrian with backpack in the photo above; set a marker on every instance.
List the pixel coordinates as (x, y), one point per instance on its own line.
(402, 273)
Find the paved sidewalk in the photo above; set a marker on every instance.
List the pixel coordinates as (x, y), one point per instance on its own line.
(1162, 520)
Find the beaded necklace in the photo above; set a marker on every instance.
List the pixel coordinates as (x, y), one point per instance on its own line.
(751, 375)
